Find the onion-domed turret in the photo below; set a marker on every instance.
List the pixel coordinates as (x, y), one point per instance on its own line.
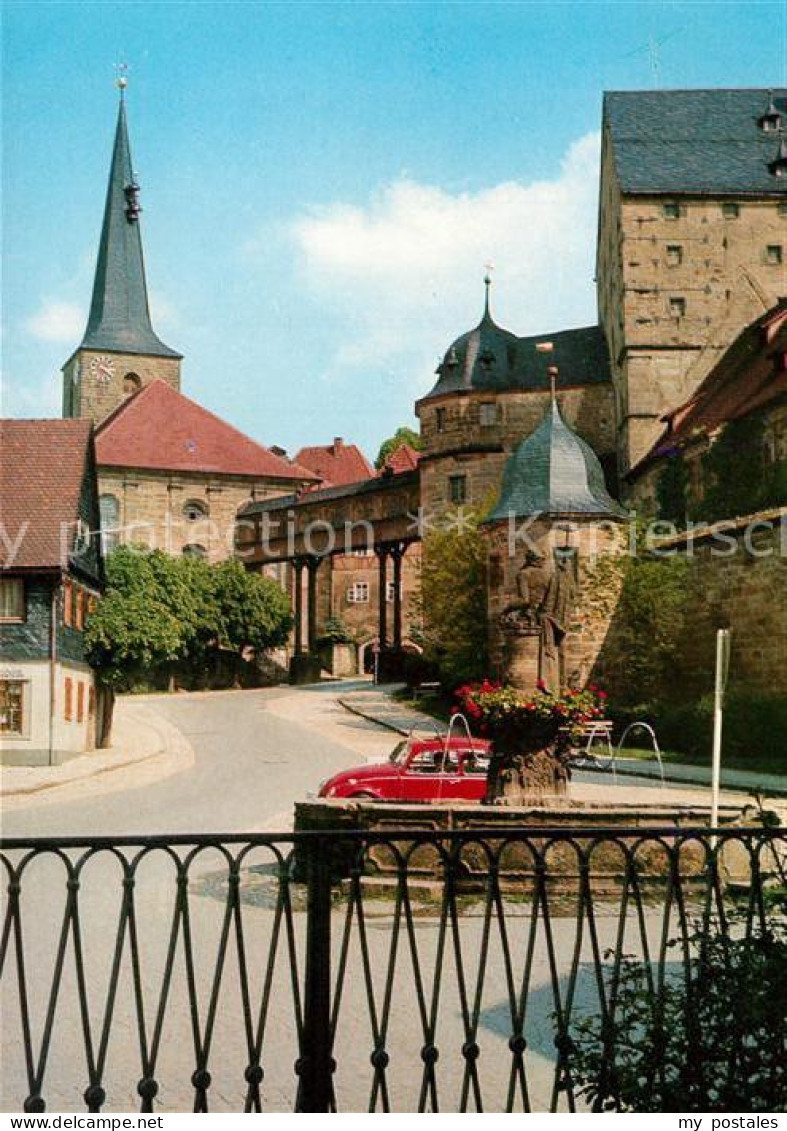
(554, 472)
(483, 359)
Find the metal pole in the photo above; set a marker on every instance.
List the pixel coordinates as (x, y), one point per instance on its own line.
(315, 1066)
(382, 557)
(722, 661)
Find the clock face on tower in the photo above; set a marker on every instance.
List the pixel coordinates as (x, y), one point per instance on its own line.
(102, 368)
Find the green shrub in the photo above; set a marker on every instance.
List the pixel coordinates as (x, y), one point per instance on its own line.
(712, 1038)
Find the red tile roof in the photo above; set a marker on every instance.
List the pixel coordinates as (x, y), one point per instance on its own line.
(404, 458)
(750, 375)
(337, 463)
(42, 468)
(161, 430)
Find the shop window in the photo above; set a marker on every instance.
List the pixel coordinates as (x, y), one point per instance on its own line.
(12, 599)
(457, 488)
(12, 706)
(68, 700)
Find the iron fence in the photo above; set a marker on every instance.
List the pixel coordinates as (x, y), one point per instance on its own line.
(362, 971)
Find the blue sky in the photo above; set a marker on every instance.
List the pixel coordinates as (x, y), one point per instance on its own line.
(323, 183)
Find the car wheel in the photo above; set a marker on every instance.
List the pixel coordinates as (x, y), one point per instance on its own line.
(363, 796)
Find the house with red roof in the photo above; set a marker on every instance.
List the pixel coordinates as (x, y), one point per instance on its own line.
(336, 464)
(51, 573)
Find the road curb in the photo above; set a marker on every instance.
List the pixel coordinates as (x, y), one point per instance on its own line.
(153, 738)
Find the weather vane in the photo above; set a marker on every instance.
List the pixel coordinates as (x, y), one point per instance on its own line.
(121, 81)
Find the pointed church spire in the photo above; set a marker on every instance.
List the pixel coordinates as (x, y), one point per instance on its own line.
(119, 316)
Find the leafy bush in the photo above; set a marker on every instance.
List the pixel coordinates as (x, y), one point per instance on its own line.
(335, 631)
(712, 1038)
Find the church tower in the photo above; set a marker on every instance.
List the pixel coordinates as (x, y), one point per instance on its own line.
(120, 352)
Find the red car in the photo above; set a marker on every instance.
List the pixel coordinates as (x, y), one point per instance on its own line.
(419, 769)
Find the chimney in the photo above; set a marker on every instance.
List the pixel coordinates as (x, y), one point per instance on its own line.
(338, 444)
(277, 451)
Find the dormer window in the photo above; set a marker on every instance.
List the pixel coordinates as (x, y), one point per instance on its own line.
(452, 360)
(487, 359)
(778, 167)
(771, 120)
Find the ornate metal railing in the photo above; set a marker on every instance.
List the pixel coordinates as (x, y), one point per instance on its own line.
(354, 971)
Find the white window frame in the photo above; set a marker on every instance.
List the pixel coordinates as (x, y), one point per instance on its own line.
(24, 731)
(358, 593)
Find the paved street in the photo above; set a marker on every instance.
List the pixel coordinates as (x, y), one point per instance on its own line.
(255, 753)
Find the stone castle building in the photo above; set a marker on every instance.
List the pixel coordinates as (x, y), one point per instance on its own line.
(691, 240)
(172, 475)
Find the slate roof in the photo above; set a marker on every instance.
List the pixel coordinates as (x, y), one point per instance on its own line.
(160, 429)
(42, 469)
(554, 472)
(694, 141)
(119, 316)
(336, 463)
(750, 375)
(492, 359)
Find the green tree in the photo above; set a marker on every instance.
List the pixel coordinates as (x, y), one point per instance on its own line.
(453, 598)
(160, 610)
(388, 447)
(734, 471)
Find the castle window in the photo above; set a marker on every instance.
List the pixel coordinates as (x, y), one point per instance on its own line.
(109, 509)
(730, 210)
(488, 414)
(773, 254)
(439, 419)
(677, 307)
(131, 384)
(457, 488)
(674, 255)
(670, 210)
(194, 510)
(12, 599)
(194, 550)
(358, 593)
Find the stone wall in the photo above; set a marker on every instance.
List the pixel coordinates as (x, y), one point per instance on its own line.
(745, 590)
(457, 444)
(91, 396)
(150, 506)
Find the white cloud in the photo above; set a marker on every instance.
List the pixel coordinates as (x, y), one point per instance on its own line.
(39, 397)
(57, 322)
(403, 274)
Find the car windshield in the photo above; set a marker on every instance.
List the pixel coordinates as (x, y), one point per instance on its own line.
(398, 753)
